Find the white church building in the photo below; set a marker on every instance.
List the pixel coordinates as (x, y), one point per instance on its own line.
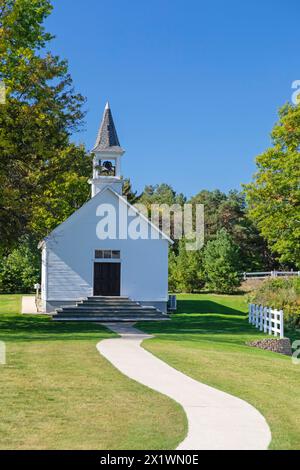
(106, 255)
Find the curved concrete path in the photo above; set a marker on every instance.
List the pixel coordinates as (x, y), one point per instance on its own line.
(216, 420)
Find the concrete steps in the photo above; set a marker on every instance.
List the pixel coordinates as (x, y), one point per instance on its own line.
(107, 313)
(108, 309)
(108, 320)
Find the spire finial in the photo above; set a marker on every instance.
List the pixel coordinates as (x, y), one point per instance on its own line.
(107, 105)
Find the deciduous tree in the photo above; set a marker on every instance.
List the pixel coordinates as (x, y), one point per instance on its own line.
(40, 113)
(274, 194)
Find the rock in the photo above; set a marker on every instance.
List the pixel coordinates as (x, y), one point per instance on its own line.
(281, 346)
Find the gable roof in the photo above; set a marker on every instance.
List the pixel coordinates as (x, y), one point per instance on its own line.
(141, 215)
(107, 138)
(106, 188)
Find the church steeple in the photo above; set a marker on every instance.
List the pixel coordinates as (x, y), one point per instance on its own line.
(107, 138)
(108, 153)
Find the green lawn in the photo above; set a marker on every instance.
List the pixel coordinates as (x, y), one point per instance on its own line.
(206, 340)
(10, 304)
(57, 392)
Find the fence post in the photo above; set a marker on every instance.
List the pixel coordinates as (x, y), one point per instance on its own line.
(276, 315)
(257, 316)
(265, 319)
(261, 311)
(270, 320)
(281, 324)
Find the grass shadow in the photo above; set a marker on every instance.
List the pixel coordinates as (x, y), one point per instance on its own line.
(192, 325)
(39, 328)
(206, 306)
(198, 319)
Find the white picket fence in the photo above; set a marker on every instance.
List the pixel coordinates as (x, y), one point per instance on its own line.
(265, 274)
(267, 319)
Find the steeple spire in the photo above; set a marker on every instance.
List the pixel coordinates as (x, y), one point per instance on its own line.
(107, 138)
(107, 156)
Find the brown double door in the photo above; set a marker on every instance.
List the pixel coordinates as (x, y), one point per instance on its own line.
(107, 277)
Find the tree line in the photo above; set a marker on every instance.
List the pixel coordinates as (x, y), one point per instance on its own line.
(43, 174)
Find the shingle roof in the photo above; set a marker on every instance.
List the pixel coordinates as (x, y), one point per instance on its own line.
(107, 138)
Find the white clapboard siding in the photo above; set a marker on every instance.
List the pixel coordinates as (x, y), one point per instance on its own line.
(267, 319)
(64, 283)
(69, 270)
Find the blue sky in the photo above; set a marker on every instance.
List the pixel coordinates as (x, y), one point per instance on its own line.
(194, 86)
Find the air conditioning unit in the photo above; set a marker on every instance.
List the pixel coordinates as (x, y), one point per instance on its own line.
(172, 303)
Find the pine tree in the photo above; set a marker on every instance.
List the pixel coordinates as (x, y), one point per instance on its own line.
(221, 263)
(128, 191)
(185, 270)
